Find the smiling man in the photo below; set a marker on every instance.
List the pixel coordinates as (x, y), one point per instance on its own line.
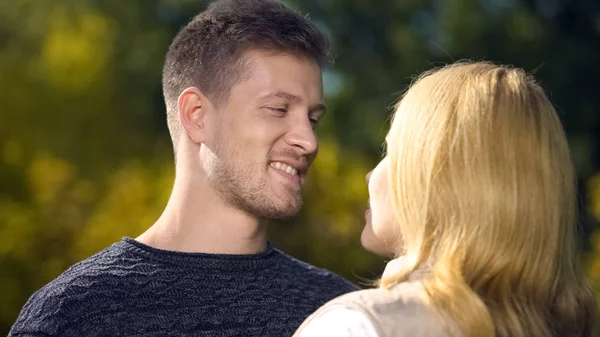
(243, 90)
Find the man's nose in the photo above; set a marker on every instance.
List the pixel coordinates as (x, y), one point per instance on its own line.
(302, 136)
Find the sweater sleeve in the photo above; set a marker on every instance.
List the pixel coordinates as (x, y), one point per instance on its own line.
(338, 322)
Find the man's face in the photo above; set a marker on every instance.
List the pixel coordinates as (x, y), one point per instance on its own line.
(261, 141)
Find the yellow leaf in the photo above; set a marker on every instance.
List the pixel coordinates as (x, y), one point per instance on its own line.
(76, 49)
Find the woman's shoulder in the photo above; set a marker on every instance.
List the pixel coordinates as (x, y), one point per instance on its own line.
(398, 311)
(403, 296)
(338, 322)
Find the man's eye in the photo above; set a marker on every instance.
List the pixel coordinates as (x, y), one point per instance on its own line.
(314, 121)
(282, 110)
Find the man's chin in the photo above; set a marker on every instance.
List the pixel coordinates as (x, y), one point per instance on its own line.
(286, 214)
(283, 212)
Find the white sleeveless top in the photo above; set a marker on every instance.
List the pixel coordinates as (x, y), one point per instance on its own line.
(398, 312)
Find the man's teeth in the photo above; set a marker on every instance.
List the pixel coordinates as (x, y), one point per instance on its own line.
(285, 168)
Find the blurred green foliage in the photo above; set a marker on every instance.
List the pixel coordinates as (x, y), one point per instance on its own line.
(85, 156)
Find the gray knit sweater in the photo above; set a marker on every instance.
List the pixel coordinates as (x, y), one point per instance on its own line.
(130, 289)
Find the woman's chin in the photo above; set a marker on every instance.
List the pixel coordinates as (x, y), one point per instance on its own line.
(371, 244)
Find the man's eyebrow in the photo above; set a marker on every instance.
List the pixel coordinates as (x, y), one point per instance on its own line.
(295, 99)
(282, 94)
(319, 107)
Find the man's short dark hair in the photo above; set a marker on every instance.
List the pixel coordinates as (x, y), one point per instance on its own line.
(207, 52)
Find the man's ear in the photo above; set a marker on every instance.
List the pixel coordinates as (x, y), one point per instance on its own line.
(192, 105)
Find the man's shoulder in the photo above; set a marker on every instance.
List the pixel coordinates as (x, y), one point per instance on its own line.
(88, 274)
(317, 276)
(65, 297)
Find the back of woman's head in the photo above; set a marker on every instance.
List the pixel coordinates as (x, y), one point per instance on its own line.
(484, 192)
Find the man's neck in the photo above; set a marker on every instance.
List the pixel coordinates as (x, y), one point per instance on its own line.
(197, 219)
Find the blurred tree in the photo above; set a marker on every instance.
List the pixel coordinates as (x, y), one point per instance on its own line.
(85, 156)
(79, 116)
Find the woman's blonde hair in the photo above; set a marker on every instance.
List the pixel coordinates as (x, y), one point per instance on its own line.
(484, 193)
